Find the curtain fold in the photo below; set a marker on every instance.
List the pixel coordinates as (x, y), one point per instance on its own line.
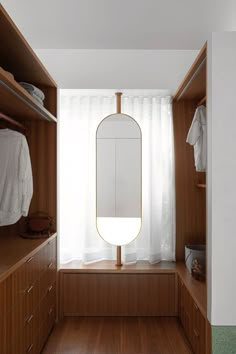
(79, 118)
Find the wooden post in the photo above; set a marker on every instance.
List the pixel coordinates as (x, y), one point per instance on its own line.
(118, 256)
(118, 102)
(118, 110)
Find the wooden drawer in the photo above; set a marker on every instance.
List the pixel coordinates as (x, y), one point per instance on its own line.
(32, 266)
(25, 305)
(26, 335)
(5, 315)
(199, 331)
(193, 322)
(25, 277)
(47, 278)
(119, 295)
(48, 301)
(5, 332)
(47, 255)
(47, 326)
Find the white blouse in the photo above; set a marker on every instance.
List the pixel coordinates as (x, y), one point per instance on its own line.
(16, 181)
(197, 136)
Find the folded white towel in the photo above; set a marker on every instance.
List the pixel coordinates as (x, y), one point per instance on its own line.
(37, 98)
(33, 90)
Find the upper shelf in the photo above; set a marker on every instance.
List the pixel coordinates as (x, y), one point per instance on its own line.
(18, 103)
(18, 58)
(194, 84)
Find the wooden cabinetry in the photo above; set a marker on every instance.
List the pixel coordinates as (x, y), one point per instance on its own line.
(28, 283)
(28, 302)
(193, 321)
(5, 315)
(119, 295)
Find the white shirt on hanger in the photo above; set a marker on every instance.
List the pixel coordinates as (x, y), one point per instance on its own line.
(16, 182)
(197, 136)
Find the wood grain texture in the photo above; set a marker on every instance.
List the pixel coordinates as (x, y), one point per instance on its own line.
(122, 335)
(190, 200)
(110, 267)
(42, 144)
(197, 87)
(194, 322)
(15, 251)
(18, 103)
(119, 295)
(17, 56)
(197, 289)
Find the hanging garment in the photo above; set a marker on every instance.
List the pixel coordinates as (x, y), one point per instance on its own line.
(197, 136)
(16, 182)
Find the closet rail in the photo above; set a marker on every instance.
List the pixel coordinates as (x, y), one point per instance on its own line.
(13, 122)
(202, 101)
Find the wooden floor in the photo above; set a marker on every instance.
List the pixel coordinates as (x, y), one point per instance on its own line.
(119, 335)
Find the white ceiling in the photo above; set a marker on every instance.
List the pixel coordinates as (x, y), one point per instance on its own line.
(123, 24)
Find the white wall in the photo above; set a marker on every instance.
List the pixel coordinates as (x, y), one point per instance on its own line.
(130, 69)
(221, 178)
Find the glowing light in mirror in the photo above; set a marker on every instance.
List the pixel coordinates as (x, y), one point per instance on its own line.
(118, 231)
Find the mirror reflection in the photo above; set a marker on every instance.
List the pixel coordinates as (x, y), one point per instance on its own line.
(119, 179)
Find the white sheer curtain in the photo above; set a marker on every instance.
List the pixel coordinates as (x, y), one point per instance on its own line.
(80, 115)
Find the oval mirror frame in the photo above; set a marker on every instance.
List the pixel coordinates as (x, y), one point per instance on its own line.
(118, 179)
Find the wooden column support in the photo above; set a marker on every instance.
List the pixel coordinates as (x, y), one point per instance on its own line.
(118, 102)
(118, 110)
(118, 256)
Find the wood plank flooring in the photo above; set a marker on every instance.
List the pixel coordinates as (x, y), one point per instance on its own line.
(117, 335)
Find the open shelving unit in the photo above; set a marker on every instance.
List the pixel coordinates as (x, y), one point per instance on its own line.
(28, 315)
(18, 58)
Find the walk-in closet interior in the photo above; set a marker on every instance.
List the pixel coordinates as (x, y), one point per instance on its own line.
(106, 306)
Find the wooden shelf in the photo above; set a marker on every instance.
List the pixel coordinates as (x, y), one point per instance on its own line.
(18, 57)
(201, 185)
(110, 267)
(193, 85)
(18, 103)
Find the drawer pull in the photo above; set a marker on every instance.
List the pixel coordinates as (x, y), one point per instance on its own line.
(50, 265)
(30, 348)
(29, 319)
(50, 288)
(50, 311)
(30, 289)
(30, 259)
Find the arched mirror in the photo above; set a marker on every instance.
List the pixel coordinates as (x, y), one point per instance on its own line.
(119, 179)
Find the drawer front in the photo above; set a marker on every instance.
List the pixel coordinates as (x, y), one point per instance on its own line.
(47, 326)
(32, 266)
(199, 331)
(25, 305)
(119, 295)
(47, 278)
(47, 303)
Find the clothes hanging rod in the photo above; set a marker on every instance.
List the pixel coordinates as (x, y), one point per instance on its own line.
(203, 100)
(191, 79)
(12, 121)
